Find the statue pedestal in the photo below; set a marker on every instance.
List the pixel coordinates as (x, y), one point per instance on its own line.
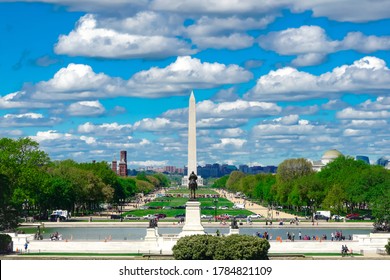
(192, 223)
(151, 234)
(233, 231)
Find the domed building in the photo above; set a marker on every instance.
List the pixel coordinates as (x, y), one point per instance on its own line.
(328, 156)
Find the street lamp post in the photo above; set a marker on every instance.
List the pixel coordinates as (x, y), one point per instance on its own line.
(215, 208)
(121, 201)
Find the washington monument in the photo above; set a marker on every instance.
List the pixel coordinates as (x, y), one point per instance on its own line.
(192, 162)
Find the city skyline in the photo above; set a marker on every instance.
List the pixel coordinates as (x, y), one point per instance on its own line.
(272, 81)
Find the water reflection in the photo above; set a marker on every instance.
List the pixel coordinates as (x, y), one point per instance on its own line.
(92, 233)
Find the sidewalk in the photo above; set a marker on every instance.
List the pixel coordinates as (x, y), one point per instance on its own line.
(256, 208)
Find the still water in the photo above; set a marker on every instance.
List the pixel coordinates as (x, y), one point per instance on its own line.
(88, 233)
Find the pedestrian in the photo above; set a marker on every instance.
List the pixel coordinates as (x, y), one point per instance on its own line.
(26, 246)
(293, 236)
(300, 235)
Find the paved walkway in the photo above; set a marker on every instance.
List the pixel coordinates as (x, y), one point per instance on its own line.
(256, 208)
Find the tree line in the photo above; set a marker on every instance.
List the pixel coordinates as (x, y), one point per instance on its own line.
(342, 186)
(31, 183)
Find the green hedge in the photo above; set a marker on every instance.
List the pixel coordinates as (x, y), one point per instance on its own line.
(5, 240)
(232, 247)
(387, 247)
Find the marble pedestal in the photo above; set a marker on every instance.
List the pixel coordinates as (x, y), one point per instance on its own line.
(233, 231)
(151, 234)
(192, 224)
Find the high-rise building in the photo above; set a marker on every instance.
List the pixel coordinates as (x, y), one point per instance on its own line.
(383, 161)
(363, 158)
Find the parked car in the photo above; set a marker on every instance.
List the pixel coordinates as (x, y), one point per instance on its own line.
(368, 217)
(321, 217)
(149, 217)
(206, 217)
(54, 218)
(116, 217)
(160, 216)
(354, 216)
(338, 218)
(167, 207)
(255, 216)
(221, 218)
(223, 207)
(132, 217)
(179, 216)
(241, 216)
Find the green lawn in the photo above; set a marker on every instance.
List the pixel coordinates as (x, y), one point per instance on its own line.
(185, 190)
(181, 201)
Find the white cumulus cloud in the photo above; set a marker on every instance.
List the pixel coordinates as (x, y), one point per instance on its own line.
(86, 108)
(92, 40)
(366, 75)
(105, 128)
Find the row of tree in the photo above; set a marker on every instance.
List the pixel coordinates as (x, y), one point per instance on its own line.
(343, 185)
(31, 183)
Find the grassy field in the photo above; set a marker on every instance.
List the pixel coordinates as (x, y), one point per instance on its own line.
(187, 191)
(181, 201)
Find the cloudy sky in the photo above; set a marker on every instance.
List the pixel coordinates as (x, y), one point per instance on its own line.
(272, 79)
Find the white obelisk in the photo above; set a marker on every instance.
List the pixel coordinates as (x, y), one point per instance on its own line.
(192, 162)
(192, 166)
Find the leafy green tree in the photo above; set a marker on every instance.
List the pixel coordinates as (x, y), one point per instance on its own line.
(291, 169)
(8, 213)
(381, 209)
(128, 186)
(233, 183)
(163, 181)
(247, 184)
(23, 164)
(220, 183)
(347, 173)
(336, 199)
(288, 172)
(143, 186)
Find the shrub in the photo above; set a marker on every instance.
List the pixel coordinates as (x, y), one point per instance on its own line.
(5, 241)
(387, 247)
(242, 247)
(233, 247)
(195, 247)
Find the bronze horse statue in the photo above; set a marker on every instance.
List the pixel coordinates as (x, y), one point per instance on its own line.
(192, 185)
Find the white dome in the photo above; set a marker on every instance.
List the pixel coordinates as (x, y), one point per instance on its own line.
(330, 155)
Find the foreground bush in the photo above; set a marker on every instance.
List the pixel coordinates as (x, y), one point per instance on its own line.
(5, 241)
(242, 247)
(195, 247)
(233, 247)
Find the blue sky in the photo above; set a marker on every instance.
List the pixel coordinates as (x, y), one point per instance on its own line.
(272, 79)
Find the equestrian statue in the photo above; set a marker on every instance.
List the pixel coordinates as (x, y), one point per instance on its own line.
(192, 185)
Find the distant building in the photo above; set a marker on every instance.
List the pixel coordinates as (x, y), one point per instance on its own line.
(114, 166)
(328, 157)
(363, 158)
(383, 161)
(123, 164)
